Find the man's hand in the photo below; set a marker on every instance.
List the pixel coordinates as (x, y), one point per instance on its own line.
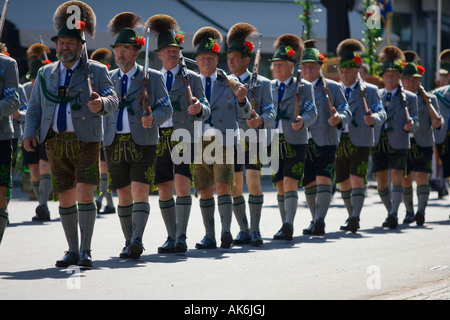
(147, 121)
(335, 118)
(29, 144)
(369, 119)
(255, 121)
(196, 107)
(241, 93)
(408, 125)
(96, 103)
(436, 123)
(298, 124)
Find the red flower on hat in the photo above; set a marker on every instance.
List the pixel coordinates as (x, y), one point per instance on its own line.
(421, 69)
(215, 48)
(321, 57)
(80, 25)
(140, 40)
(179, 38)
(358, 60)
(249, 46)
(47, 61)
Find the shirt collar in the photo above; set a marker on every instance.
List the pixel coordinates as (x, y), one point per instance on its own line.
(63, 69)
(243, 76)
(213, 77)
(174, 70)
(351, 87)
(129, 73)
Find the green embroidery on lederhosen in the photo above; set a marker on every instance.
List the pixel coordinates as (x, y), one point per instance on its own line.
(150, 174)
(298, 169)
(6, 179)
(91, 172)
(55, 184)
(417, 153)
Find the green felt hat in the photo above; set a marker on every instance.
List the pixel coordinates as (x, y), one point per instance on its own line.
(311, 53)
(392, 58)
(237, 38)
(413, 70)
(128, 36)
(288, 47)
(207, 39)
(168, 39)
(67, 32)
(349, 50)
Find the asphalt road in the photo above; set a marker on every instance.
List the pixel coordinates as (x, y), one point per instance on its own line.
(410, 262)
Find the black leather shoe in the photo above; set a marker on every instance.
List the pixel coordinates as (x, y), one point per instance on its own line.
(136, 248)
(288, 231)
(168, 246)
(420, 218)
(42, 214)
(278, 235)
(319, 227)
(99, 205)
(256, 239)
(69, 259)
(108, 210)
(353, 224)
(226, 240)
(180, 244)
(85, 260)
(125, 254)
(242, 238)
(345, 226)
(409, 218)
(206, 243)
(392, 221)
(309, 230)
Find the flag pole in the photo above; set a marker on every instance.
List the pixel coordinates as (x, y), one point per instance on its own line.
(438, 40)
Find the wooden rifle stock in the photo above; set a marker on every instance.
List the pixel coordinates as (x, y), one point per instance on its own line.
(327, 93)
(431, 110)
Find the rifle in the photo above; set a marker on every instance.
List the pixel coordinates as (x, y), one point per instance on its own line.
(405, 105)
(299, 86)
(87, 69)
(3, 18)
(362, 87)
(186, 77)
(431, 110)
(42, 42)
(143, 98)
(254, 78)
(327, 93)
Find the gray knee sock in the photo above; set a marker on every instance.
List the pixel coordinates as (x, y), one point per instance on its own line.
(280, 201)
(255, 204)
(408, 199)
(87, 213)
(207, 207)
(45, 187)
(3, 222)
(357, 199)
(124, 213)
(35, 187)
(346, 197)
(225, 206)
(397, 196)
(183, 210)
(169, 216)
(310, 195)
(141, 211)
(385, 196)
(69, 221)
(239, 213)
(290, 205)
(423, 193)
(323, 200)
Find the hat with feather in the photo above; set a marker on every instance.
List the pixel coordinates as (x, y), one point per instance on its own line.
(391, 58)
(167, 29)
(311, 53)
(35, 53)
(73, 19)
(412, 68)
(288, 47)
(444, 59)
(123, 26)
(239, 36)
(207, 39)
(102, 55)
(350, 51)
